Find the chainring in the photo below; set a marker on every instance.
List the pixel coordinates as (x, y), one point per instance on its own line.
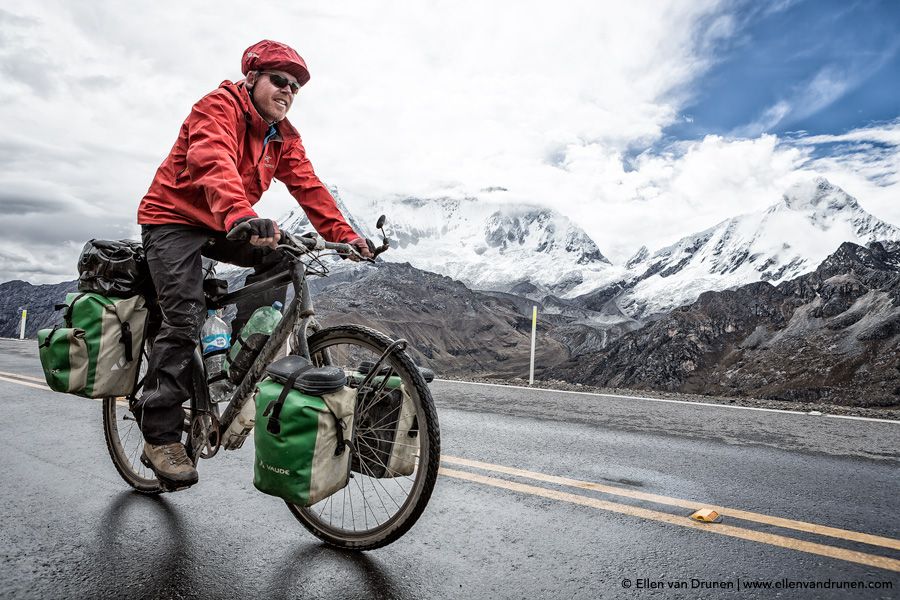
(205, 435)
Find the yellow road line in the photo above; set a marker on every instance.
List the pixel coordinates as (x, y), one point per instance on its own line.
(781, 541)
(120, 402)
(834, 532)
(776, 540)
(25, 383)
(25, 377)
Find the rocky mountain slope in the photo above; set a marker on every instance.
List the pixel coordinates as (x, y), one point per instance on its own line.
(830, 335)
(39, 300)
(455, 330)
(789, 238)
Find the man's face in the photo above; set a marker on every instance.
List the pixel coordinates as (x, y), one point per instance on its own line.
(272, 102)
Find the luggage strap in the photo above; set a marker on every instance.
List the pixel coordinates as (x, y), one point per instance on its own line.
(273, 410)
(49, 338)
(67, 317)
(126, 338)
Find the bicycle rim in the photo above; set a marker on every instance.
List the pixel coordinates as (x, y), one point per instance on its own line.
(376, 508)
(125, 442)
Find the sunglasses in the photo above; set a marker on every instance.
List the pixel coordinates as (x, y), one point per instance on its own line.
(282, 82)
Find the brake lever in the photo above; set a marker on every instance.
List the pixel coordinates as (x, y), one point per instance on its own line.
(378, 250)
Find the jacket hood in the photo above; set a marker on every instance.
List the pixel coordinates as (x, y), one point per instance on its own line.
(241, 94)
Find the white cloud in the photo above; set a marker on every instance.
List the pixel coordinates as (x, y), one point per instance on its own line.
(829, 84)
(405, 98)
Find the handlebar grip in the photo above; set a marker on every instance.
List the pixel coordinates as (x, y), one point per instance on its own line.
(379, 249)
(240, 233)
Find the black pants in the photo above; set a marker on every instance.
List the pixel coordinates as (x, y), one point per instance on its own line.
(174, 255)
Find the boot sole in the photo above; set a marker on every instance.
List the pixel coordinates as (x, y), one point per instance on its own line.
(168, 485)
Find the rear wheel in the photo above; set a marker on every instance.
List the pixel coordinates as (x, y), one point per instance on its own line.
(375, 508)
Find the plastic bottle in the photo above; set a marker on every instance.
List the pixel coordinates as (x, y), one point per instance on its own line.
(252, 337)
(240, 428)
(215, 340)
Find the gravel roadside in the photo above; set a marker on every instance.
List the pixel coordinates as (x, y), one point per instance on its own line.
(891, 413)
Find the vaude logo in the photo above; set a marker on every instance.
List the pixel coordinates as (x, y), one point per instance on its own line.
(276, 470)
(120, 364)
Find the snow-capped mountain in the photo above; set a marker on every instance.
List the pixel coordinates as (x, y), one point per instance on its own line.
(483, 243)
(780, 243)
(296, 221)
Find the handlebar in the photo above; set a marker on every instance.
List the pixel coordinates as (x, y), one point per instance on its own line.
(308, 244)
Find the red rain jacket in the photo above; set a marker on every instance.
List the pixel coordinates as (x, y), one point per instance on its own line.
(219, 168)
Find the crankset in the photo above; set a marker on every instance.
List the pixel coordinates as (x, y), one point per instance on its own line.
(205, 435)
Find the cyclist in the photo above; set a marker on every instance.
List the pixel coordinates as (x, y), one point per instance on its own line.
(235, 140)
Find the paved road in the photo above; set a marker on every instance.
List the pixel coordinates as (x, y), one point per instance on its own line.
(543, 495)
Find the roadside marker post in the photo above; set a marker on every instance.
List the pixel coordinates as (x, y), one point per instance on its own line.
(533, 332)
(22, 327)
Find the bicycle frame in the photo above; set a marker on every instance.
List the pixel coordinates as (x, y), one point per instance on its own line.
(297, 318)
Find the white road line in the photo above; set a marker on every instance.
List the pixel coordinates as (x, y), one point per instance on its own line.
(667, 400)
(852, 418)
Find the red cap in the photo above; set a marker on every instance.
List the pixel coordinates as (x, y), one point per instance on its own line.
(268, 55)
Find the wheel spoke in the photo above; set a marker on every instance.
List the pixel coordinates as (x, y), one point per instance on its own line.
(375, 479)
(379, 512)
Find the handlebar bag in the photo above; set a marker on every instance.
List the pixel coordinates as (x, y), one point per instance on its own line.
(96, 352)
(302, 440)
(116, 268)
(386, 427)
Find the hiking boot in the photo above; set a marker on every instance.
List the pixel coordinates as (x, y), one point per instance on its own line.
(170, 463)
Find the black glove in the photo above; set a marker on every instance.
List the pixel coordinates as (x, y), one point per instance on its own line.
(364, 246)
(264, 228)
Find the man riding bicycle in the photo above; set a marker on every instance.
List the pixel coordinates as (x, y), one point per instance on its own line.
(235, 140)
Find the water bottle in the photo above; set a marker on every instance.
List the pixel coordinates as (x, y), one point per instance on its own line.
(251, 339)
(215, 339)
(240, 428)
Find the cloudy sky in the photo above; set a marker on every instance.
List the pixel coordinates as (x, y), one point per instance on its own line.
(644, 120)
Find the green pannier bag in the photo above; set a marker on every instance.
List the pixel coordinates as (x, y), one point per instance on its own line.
(303, 440)
(96, 351)
(64, 356)
(388, 428)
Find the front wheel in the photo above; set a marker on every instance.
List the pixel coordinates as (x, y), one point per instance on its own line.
(378, 505)
(125, 444)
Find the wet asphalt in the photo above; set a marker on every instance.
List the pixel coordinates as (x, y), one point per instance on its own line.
(72, 528)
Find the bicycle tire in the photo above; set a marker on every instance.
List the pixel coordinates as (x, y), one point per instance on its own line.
(124, 459)
(429, 447)
(127, 461)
